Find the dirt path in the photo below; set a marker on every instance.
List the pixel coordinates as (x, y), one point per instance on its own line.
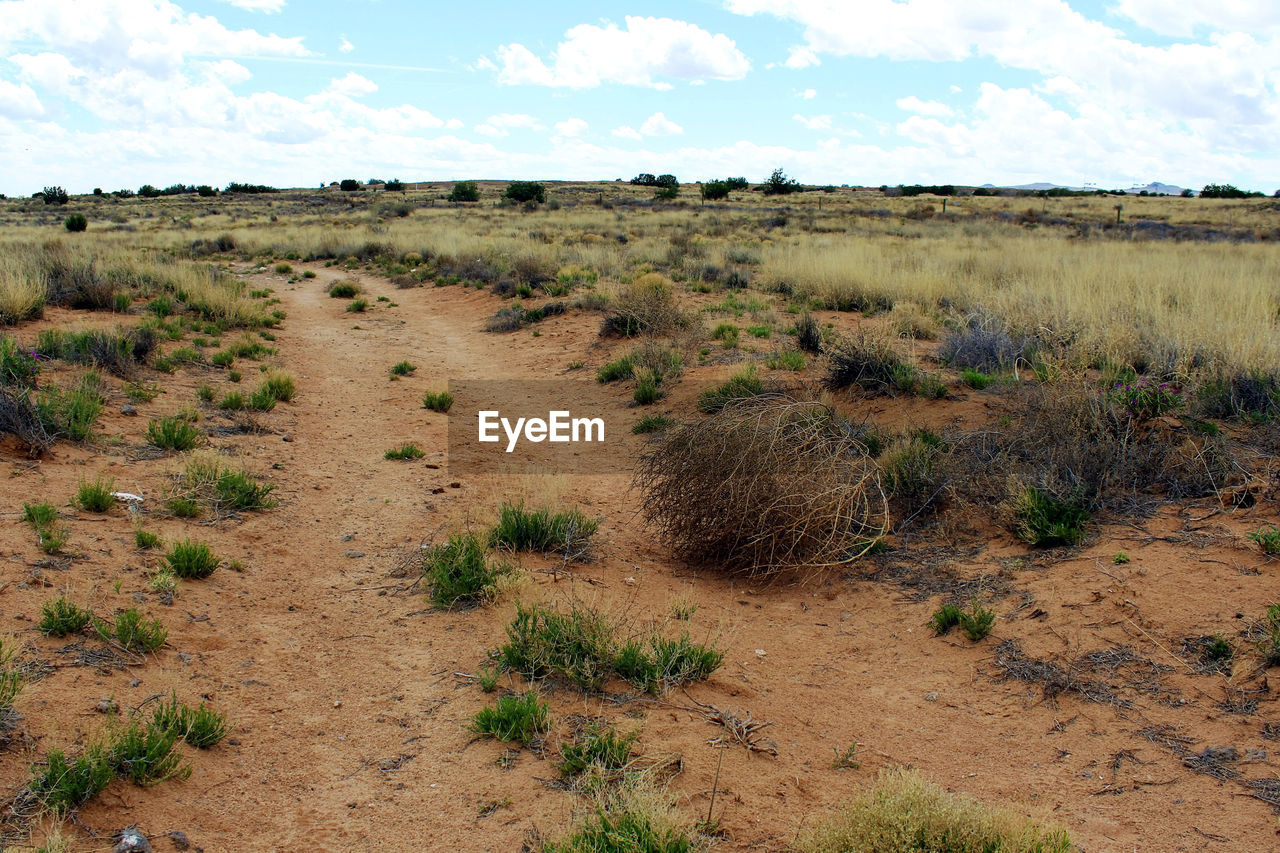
(347, 711)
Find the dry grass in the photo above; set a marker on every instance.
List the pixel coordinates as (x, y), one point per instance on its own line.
(764, 485)
(905, 813)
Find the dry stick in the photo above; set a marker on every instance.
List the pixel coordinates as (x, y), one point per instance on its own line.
(715, 784)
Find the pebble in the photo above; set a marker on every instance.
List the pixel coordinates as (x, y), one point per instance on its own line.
(126, 409)
(180, 840)
(131, 840)
(355, 555)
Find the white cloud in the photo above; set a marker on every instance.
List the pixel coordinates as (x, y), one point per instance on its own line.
(807, 94)
(955, 90)
(648, 48)
(822, 122)
(625, 132)
(19, 101)
(801, 57)
(1184, 19)
(912, 104)
(571, 128)
(659, 125)
(268, 6)
(345, 46)
(352, 86)
(503, 123)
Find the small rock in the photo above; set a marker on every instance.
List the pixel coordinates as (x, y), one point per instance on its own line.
(135, 682)
(126, 409)
(131, 840)
(931, 696)
(288, 436)
(107, 705)
(760, 653)
(455, 485)
(355, 555)
(630, 581)
(180, 840)
(233, 741)
(347, 537)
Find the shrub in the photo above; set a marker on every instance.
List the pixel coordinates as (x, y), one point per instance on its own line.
(975, 379)
(75, 223)
(459, 571)
(525, 191)
(1268, 540)
(779, 184)
(983, 343)
(1253, 395)
(190, 560)
(184, 507)
(63, 785)
(743, 386)
(22, 419)
(904, 813)
(464, 191)
(232, 402)
(768, 484)
(597, 747)
(542, 530)
(520, 719)
(144, 754)
(786, 360)
(200, 727)
(60, 617)
(613, 371)
(358, 306)
(440, 401)
(715, 190)
(281, 386)
(344, 289)
(576, 646)
(173, 433)
(262, 400)
(402, 368)
(146, 539)
(69, 413)
(349, 185)
(133, 631)
(407, 451)
(1147, 399)
(54, 195)
(647, 391)
(96, 496)
(627, 820)
(1044, 520)
(647, 306)
(656, 664)
(870, 364)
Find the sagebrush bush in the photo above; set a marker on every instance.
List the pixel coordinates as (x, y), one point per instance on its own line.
(646, 306)
(767, 484)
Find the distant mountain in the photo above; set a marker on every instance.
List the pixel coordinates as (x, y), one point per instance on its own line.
(1153, 188)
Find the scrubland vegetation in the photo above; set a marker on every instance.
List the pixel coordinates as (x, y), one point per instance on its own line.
(830, 385)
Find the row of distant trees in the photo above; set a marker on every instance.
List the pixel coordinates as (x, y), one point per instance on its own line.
(666, 186)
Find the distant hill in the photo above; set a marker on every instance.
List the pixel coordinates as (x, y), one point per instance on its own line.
(1153, 188)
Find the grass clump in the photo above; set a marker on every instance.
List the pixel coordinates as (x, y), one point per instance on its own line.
(459, 571)
(200, 727)
(43, 514)
(60, 617)
(1268, 540)
(656, 663)
(515, 719)
(872, 365)
(190, 560)
(407, 451)
(43, 517)
(1270, 645)
(144, 754)
(576, 646)
(597, 747)
(64, 785)
(788, 359)
(280, 385)
(357, 306)
(976, 622)
(652, 423)
(441, 401)
(1044, 520)
(543, 530)
(223, 489)
(402, 368)
(976, 379)
(173, 433)
(616, 370)
(132, 631)
(233, 402)
(346, 288)
(69, 413)
(96, 496)
(741, 387)
(905, 813)
(262, 400)
(634, 818)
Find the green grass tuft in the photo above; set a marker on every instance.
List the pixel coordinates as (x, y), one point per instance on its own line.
(190, 560)
(173, 433)
(542, 530)
(59, 617)
(459, 571)
(441, 401)
(518, 719)
(96, 496)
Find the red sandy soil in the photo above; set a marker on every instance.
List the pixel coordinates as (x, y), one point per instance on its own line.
(347, 694)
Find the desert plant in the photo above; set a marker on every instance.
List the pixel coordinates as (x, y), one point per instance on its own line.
(646, 391)
(280, 386)
(525, 191)
(576, 646)
(200, 727)
(597, 746)
(190, 560)
(357, 306)
(173, 433)
(656, 664)
(631, 818)
(779, 184)
(523, 529)
(438, 401)
(905, 813)
(646, 306)
(406, 451)
(75, 223)
(1146, 399)
(464, 191)
(520, 719)
(144, 754)
(808, 334)
(402, 368)
(651, 423)
(1045, 520)
(19, 366)
(96, 496)
(767, 484)
(459, 571)
(1268, 539)
(346, 288)
(69, 413)
(786, 360)
(133, 631)
(870, 364)
(738, 388)
(59, 617)
(233, 402)
(261, 400)
(62, 785)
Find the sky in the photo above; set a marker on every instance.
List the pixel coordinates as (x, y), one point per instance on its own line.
(1113, 93)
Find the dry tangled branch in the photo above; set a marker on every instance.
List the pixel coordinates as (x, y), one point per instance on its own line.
(770, 483)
